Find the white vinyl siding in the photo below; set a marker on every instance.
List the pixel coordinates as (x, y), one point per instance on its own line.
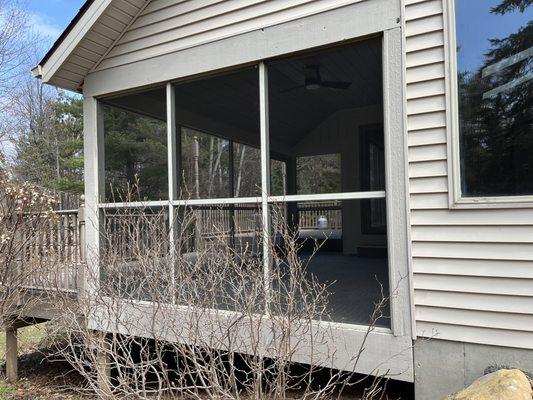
(472, 269)
(167, 26)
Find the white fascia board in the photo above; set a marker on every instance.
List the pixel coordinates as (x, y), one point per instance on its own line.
(68, 45)
(37, 71)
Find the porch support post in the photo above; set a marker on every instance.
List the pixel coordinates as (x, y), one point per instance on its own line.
(11, 354)
(292, 208)
(103, 365)
(400, 279)
(94, 190)
(172, 181)
(265, 177)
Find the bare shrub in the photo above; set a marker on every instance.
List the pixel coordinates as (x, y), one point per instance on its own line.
(194, 312)
(27, 251)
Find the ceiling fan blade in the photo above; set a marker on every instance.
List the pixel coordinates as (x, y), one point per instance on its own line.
(292, 88)
(335, 84)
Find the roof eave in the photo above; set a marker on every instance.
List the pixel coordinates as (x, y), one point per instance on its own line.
(56, 56)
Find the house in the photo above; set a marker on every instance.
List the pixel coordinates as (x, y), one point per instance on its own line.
(378, 122)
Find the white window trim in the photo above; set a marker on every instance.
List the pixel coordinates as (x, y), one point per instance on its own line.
(455, 195)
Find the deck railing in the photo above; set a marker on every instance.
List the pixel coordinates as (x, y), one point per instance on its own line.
(55, 252)
(62, 243)
(309, 214)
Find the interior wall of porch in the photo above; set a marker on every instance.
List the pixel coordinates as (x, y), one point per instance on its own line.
(340, 133)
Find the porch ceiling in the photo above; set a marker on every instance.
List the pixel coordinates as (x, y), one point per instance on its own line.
(231, 100)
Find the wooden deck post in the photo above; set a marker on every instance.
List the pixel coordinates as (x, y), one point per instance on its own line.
(11, 354)
(103, 365)
(80, 284)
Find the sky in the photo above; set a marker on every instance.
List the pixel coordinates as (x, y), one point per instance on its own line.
(51, 17)
(474, 28)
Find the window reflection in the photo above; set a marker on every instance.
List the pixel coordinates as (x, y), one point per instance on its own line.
(495, 81)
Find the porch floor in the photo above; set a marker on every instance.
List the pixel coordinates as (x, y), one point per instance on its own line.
(355, 286)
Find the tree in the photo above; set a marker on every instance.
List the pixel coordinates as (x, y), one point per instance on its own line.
(511, 5)
(16, 44)
(49, 140)
(135, 155)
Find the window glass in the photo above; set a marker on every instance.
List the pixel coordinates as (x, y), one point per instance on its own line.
(218, 118)
(495, 82)
(135, 147)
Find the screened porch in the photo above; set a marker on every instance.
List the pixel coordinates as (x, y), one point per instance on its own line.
(292, 145)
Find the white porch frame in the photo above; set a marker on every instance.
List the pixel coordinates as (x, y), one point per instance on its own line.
(391, 349)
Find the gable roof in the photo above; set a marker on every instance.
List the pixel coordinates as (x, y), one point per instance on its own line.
(67, 30)
(88, 38)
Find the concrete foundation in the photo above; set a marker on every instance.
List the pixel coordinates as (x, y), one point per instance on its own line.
(443, 367)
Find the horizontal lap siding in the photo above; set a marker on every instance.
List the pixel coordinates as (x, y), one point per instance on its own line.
(472, 269)
(96, 43)
(167, 26)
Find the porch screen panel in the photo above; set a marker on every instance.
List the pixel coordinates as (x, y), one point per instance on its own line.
(345, 270)
(326, 124)
(135, 257)
(135, 147)
(218, 127)
(217, 212)
(218, 257)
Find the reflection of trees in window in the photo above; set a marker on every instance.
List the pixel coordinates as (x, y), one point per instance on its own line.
(496, 114)
(135, 155)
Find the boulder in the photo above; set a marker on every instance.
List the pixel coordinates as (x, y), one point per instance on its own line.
(505, 384)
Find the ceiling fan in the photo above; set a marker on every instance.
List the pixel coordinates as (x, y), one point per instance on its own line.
(313, 81)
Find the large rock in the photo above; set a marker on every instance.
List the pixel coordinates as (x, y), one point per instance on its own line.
(505, 384)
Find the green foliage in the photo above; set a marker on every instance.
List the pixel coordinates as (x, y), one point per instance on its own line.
(511, 5)
(50, 151)
(135, 156)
